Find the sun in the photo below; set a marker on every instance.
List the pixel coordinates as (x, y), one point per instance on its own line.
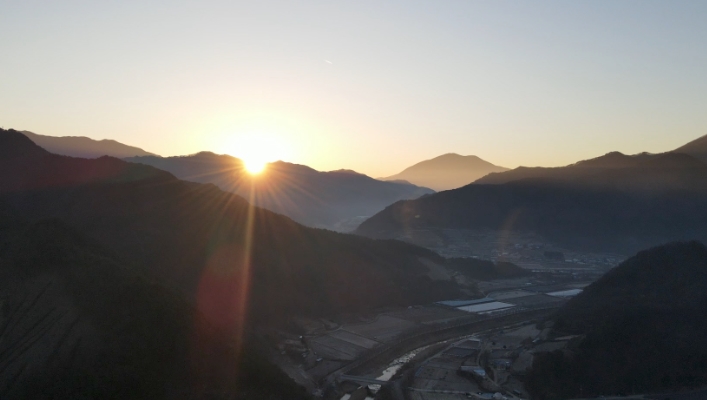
(257, 149)
(253, 166)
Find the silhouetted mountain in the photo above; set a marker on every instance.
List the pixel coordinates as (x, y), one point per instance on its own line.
(448, 171)
(607, 162)
(696, 148)
(646, 200)
(213, 245)
(80, 146)
(643, 325)
(78, 322)
(610, 161)
(331, 200)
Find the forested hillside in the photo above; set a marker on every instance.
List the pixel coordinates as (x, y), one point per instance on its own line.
(77, 322)
(643, 326)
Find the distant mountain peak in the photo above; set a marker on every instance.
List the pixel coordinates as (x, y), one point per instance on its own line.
(346, 171)
(204, 154)
(455, 155)
(614, 154)
(448, 171)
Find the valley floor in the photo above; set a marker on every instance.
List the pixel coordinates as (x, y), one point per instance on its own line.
(365, 345)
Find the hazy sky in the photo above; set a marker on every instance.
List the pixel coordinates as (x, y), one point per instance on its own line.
(367, 85)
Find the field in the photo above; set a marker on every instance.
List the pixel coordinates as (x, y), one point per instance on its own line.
(335, 349)
(384, 328)
(354, 339)
(429, 315)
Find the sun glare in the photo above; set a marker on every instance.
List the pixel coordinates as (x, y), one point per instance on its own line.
(254, 167)
(256, 150)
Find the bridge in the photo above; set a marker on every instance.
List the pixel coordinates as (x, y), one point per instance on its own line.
(360, 379)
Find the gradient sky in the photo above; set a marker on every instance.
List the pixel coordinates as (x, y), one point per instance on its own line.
(373, 86)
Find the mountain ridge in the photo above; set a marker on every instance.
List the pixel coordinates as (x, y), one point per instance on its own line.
(657, 199)
(332, 200)
(84, 147)
(608, 161)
